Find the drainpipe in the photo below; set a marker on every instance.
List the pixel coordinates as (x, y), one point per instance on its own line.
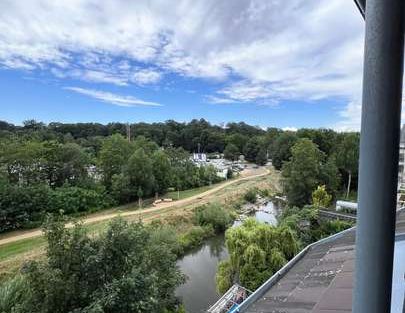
(379, 145)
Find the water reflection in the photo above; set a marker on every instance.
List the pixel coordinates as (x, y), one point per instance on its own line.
(200, 265)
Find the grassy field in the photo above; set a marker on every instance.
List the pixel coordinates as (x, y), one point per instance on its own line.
(14, 254)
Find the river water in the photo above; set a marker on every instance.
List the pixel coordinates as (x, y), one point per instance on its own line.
(200, 266)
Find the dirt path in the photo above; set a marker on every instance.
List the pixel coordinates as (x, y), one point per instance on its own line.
(246, 175)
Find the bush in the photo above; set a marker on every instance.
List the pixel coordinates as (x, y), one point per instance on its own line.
(75, 199)
(122, 270)
(251, 195)
(195, 237)
(25, 206)
(21, 205)
(213, 215)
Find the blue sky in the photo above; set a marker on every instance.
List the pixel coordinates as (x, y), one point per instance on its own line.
(289, 64)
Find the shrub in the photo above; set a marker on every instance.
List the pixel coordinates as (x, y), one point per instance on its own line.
(251, 195)
(213, 215)
(195, 237)
(21, 205)
(75, 199)
(122, 270)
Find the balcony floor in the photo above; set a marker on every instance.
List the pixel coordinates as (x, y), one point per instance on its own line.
(322, 281)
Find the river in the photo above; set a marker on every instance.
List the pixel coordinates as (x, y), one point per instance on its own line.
(200, 266)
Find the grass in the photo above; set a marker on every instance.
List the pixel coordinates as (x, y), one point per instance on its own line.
(21, 246)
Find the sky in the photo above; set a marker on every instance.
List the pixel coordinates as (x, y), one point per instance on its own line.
(274, 63)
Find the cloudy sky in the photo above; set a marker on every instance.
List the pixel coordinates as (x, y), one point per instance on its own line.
(284, 63)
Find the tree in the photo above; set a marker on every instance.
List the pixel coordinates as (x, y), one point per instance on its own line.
(348, 157)
(122, 270)
(256, 252)
(140, 173)
(281, 151)
(147, 145)
(231, 152)
(321, 198)
(261, 157)
(114, 154)
(330, 176)
(251, 149)
(301, 174)
(238, 140)
(161, 171)
(65, 163)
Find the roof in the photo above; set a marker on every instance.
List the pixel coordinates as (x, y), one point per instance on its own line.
(321, 281)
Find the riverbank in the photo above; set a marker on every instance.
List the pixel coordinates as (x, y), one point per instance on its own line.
(201, 263)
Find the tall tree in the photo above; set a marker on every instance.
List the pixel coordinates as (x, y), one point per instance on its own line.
(162, 171)
(281, 149)
(261, 157)
(114, 155)
(301, 174)
(140, 173)
(231, 152)
(252, 149)
(348, 157)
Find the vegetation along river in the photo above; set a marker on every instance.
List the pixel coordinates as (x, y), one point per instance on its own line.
(200, 265)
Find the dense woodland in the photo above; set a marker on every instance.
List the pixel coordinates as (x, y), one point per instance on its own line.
(83, 167)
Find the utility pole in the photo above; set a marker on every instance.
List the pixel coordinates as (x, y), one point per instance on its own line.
(129, 132)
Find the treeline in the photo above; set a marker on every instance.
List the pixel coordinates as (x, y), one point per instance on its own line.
(88, 166)
(49, 176)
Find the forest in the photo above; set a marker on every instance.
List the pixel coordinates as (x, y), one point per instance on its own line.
(83, 167)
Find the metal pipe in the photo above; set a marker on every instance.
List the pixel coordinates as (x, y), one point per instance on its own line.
(379, 145)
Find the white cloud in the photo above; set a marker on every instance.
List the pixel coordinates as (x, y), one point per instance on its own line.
(146, 76)
(260, 51)
(219, 100)
(124, 101)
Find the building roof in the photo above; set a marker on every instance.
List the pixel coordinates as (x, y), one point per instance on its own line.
(321, 281)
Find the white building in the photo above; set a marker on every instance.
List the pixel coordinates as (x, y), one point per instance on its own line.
(199, 157)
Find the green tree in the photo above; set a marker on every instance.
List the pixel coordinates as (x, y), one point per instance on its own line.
(281, 151)
(330, 175)
(348, 157)
(161, 171)
(321, 198)
(140, 173)
(114, 154)
(251, 149)
(146, 144)
(256, 251)
(301, 174)
(122, 270)
(238, 140)
(261, 157)
(231, 152)
(65, 163)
